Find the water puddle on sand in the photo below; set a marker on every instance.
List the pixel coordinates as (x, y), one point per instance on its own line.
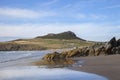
(43, 73)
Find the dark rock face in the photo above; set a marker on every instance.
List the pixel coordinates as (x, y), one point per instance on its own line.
(118, 42)
(111, 47)
(113, 42)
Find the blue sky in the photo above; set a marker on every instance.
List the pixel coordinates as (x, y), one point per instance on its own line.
(97, 20)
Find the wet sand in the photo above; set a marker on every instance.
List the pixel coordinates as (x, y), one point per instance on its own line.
(107, 66)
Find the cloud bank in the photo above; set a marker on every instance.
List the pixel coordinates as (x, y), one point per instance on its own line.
(23, 13)
(88, 31)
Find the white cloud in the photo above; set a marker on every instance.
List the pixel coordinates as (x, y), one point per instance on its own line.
(88, 31)
(23, 13)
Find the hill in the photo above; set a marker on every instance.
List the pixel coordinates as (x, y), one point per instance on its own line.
(63, 35)
(51, 41)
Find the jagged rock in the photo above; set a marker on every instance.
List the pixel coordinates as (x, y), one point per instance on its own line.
(113, 42)
(118, 42)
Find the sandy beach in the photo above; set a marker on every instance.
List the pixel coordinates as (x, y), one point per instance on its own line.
(107, 66)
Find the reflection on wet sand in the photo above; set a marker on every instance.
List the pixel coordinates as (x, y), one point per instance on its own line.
(35, 73)
(55, 63)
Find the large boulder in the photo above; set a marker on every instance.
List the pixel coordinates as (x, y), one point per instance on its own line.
(113, 42)
(108, 47)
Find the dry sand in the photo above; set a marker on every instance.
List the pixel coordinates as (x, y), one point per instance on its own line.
(107, 66)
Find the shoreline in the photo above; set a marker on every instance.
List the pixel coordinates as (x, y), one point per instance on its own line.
(107, 66)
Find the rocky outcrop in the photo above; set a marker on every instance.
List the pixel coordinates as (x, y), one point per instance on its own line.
(52, 56)
(109, 48)
(112, 46)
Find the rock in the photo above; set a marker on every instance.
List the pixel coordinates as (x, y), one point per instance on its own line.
(108, 47)
(86, 52)
(51, 56)
(118, 42)
(73, 53)
(92, 51)
(59, 63)
(97, 51)
(63, 55)
(116, 50)
(111, 47)
(113, 51)
(113, 42)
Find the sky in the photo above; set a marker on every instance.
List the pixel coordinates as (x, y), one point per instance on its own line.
(95, 20)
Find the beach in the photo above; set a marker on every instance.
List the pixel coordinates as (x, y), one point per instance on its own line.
(107, 66)
(90, 67)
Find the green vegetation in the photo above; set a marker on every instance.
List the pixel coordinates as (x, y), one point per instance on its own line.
(51, 41)
(40, 44)
(64, 35)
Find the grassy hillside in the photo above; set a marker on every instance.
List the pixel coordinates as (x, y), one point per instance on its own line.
(41, 44)
(51, 41)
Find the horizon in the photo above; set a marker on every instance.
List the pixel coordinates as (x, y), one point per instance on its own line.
(89, 19)
(5, 39)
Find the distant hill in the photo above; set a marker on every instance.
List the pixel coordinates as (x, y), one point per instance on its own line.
(62, 40)
(63, 35)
